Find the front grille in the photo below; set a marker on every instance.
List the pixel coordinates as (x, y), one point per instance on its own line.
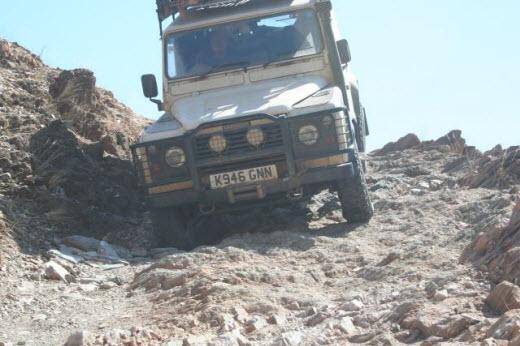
(237, 142)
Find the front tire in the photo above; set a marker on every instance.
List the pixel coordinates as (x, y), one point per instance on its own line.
(353, 195)
(361, 131)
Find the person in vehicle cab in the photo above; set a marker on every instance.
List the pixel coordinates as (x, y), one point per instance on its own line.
(217, 54)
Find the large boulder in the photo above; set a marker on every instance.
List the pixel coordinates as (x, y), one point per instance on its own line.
(504, 297)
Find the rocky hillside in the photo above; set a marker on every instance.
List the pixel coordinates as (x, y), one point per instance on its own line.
(438, 264)
(64, 150)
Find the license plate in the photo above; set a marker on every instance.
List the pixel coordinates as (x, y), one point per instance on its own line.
(243, 176)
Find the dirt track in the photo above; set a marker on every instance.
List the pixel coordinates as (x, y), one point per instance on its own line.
(294, 275)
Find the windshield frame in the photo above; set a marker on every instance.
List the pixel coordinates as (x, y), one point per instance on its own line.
(250, 67)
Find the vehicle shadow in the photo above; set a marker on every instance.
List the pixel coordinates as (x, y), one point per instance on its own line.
(266, 228)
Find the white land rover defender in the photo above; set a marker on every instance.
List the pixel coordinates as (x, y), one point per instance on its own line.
(260, 106)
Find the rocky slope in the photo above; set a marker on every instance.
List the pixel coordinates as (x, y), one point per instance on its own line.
(438, 264)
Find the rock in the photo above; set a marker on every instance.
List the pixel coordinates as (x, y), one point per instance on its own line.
(81, 338)
(507, 327)
(362, 338)
(316, 319)
(278, 319)
(82, 243)
(66, 255)
(240, 314)
(107, 285)
(454, 140)
(105, 249)
(407, 142)
(255, 324)
(227, 323)
(354, 305)
(431, 288)
(54, 271)
(428, 322)
(504, 297)
(293, 338)
(389, 259)
(347, 326)
(5, 177)
(440, 296)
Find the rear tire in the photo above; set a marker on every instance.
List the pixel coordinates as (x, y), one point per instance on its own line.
(171, 228)
(353, 195)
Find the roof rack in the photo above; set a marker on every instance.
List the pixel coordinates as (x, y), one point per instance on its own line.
(170, 8)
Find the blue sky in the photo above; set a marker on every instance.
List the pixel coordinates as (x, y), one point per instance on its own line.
(424, 66)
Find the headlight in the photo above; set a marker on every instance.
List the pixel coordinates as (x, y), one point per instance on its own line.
(175, 157)
(218, 143)
(308, 134)
(255, 137)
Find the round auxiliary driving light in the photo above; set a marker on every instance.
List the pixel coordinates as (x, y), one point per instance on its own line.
(255, 137)
(327, 120)
(308, 134)
(175, 157)
(218, 143)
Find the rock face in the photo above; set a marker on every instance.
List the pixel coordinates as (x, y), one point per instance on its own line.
(64, 147)
(104, 189)
(499, 249)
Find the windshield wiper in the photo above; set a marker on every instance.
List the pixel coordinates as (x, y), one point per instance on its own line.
(220, 67)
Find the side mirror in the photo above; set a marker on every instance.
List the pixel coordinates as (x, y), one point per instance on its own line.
(344, 51)
(150, 90)
(149, 86)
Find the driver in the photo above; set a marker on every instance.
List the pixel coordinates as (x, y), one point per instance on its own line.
(218, 53)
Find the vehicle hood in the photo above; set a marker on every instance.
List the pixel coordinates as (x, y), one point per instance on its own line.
(273, 97)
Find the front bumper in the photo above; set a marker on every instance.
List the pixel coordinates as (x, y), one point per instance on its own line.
(253, 192)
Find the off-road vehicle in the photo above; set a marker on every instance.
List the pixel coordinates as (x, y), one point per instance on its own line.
(260, 105)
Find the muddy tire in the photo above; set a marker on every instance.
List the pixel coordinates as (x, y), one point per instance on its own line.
(171, 228)
(353, 195)
(361, 132)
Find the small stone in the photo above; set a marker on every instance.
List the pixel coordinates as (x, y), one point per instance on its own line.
(54, 271)
(347, 326)
(436, 184)
(354, 305)
(393, 256)
(240, 314)
(440, 295)
(108, 285)
(417, 192)
(78, 339)
(424, 185)
(291, 339)
(255, 324)
(431, 288)
(5, 177)
(316, 319)
(277, 319)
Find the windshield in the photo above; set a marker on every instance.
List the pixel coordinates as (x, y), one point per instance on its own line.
(251, 42)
